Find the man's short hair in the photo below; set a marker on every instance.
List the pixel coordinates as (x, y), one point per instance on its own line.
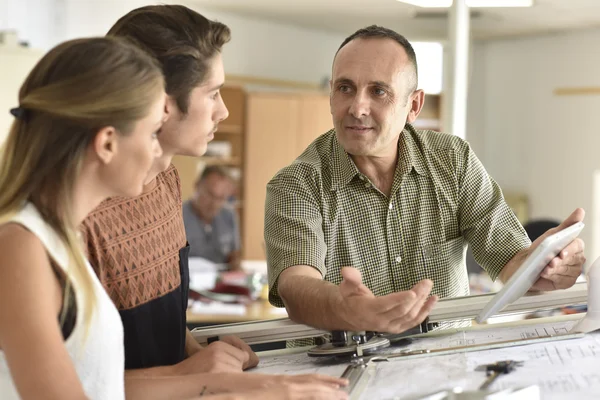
(213, 170)
(375, 31)
(182, 41)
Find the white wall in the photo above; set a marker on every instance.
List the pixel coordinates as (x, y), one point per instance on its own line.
(38, 22)
(259, 47)
(531, 140)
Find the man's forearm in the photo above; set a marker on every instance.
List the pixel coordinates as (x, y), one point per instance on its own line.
(314, 302)
(513, 265)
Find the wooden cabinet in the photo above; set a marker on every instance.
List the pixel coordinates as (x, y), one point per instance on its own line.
(279, 128)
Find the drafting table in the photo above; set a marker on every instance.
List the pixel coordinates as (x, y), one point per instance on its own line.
(564, 369)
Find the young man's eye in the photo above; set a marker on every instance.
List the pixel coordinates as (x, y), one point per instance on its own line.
(215, 96)
(155, 134)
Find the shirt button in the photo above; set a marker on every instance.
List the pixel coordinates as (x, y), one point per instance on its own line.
(398, 259)
(391, 206)
(367, 185)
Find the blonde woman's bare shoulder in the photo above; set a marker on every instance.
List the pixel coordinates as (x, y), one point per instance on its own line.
(17, 243)
(22, 256)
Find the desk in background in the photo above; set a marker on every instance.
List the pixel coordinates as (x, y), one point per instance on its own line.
(256, 310)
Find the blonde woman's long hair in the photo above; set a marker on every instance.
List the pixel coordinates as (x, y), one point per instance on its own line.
(76, 89)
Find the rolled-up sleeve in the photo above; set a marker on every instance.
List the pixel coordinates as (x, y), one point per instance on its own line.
(293, 227)
(486, 221)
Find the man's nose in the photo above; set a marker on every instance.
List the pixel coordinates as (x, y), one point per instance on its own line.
(360, 106)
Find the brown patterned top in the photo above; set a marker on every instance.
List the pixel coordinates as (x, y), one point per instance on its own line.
(133, 243)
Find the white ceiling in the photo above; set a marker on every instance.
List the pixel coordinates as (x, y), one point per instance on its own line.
(346, 16)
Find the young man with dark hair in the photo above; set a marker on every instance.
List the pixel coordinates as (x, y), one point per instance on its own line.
(138, 247)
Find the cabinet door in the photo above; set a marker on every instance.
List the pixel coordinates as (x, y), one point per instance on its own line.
(314, 119)
(271, 144)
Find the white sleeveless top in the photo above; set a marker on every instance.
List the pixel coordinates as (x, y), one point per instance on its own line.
(99, 361)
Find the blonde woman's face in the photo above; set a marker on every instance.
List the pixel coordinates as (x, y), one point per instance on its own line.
(137, 152)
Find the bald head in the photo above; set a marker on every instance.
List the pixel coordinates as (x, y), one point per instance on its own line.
(404, 48)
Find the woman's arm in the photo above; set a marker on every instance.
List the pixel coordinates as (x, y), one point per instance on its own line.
(30, 335)
(247, 386)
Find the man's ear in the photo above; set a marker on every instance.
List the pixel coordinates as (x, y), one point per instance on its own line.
(170, 107)
(330, 95)
(416, 99)
(105, 144)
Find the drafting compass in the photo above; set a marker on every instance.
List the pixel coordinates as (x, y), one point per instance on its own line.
(344, 343)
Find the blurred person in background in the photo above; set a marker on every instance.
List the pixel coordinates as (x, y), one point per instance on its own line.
(211, 224)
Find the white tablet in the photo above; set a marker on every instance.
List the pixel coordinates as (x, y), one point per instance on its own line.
(529, 272)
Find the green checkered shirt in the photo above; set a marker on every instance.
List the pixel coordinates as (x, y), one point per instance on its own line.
(321, 211)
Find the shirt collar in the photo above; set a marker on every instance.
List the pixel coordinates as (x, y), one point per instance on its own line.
(344, 169)
(411, 155)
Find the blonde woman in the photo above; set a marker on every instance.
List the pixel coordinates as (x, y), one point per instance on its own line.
(86, 129)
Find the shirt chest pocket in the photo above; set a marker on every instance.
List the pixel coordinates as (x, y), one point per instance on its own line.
(444, 264)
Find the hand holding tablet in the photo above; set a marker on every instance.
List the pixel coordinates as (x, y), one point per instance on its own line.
(529, 272)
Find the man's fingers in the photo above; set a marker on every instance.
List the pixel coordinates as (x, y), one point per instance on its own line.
(577, 246)
(351, 275)
(423, 288)
(562, 269)
(392, 304)
(398, 320)
(576, 216)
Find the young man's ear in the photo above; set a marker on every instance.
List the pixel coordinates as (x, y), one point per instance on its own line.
(105, 144)
(170, 107)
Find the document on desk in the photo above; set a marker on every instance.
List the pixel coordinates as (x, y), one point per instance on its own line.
(299, 363)
(563, 369)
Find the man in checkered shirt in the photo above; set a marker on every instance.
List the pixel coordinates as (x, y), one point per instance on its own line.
(368, 227)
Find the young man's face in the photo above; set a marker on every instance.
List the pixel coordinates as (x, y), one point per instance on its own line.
(189, 134)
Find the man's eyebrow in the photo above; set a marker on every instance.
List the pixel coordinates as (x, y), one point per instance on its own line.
(382, 84)
(217, 87)
(346, 81)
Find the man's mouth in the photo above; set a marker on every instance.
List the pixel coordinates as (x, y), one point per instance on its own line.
(359, 128)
